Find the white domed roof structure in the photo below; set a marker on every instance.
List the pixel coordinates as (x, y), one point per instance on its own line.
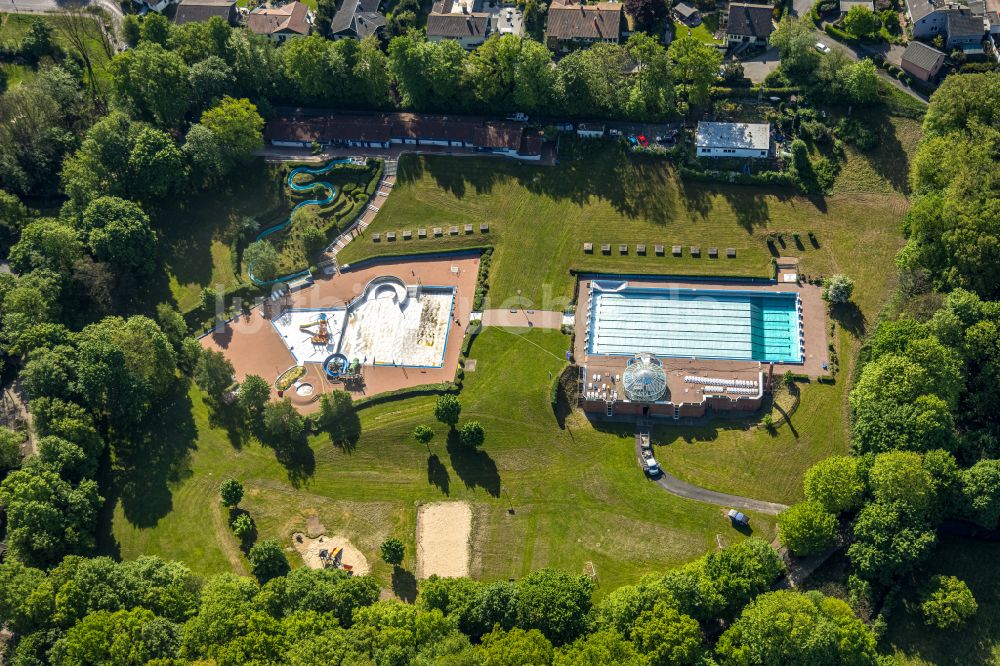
(644, 378)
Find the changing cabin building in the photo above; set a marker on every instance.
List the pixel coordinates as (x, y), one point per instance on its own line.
(733, 140)
(381, 131)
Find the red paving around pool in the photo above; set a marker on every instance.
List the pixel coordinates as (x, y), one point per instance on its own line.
(254, 347)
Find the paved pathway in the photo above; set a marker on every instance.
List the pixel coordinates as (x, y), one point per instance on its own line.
(675, 486)
(517, 318)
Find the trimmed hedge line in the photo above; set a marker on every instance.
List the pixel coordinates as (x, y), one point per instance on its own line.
(482, 279)
(411, 392)
(779, 178)
(841, 35)
(721, 92)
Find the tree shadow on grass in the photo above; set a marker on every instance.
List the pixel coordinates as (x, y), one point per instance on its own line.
(851, 318)
(145, 472)
(437, 473)
(473, 466)
(404, 584)
(232, 419)
(296, 456)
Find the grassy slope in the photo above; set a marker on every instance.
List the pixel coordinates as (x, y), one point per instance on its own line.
(568, 508)
(540, 217)
(978, 642)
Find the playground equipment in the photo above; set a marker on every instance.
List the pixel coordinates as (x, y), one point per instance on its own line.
(322, 333)
(331, 559)
(295, 187)
(335, 366)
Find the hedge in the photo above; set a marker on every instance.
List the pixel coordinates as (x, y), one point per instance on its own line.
(405, 393)
(779, 178)
(721, 92)
(840, 35)
(482, 279)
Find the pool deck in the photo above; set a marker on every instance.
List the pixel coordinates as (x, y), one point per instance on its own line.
(814, 328)
(253, 346)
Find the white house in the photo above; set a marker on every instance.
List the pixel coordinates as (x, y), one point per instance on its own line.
(733, 140)
(590, 130)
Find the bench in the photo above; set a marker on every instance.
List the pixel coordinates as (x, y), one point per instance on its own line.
(390, 235)
(606, 248)
(658, 249)
(623, 249)
(437, 231)
(677, 250)
(484, 228)
(468, 228)
(453, 231)
(421, 233)
(407, 235)
(713, 253)
(731, 252)
(376, 237)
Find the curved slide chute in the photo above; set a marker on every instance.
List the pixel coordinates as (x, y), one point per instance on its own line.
(296, 187)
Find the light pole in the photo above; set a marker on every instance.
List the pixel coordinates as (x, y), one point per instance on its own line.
(510, 502)
(519, 300)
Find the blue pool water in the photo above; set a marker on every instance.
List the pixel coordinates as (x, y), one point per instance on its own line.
(699, 323)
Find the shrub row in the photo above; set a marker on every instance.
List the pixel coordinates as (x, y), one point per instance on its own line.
(763, 178)
(722, 92)
(404, 393)
(840, 35)
(482, 280)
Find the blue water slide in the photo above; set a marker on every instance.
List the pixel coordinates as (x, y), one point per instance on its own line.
(296, 187)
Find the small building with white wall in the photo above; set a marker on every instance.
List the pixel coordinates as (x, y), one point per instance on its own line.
(733, 139)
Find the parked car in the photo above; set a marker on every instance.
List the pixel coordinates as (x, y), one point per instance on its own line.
(822, 48)
(643, 141)
(649, 464)
(738, 517)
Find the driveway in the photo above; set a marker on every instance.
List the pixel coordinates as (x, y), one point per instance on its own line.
(863, 51)
(758, 67)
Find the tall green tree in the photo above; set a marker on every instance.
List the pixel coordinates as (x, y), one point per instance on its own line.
(153, 83)
(696, 67)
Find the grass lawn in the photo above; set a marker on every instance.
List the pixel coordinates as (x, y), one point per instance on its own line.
(577, 491)
(886, 168)
(540, 217)
(978, 642)
(701, 32)
(13, 27)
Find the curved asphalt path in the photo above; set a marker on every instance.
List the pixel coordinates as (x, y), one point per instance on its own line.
(675, 486)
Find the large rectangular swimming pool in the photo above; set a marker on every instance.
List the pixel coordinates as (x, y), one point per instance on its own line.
(699, 323)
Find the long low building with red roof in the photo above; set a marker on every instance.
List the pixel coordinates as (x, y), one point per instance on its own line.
(499, 137)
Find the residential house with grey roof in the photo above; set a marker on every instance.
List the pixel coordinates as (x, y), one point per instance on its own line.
(458, 20)
(192, 11)
(357, 19)
(749, 24)
(966, 30)
(922, 61)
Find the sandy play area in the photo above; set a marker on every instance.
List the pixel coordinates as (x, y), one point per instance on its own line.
(309, 550)
(443, 530)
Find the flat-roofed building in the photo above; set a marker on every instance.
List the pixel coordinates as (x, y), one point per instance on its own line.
(733, 139)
